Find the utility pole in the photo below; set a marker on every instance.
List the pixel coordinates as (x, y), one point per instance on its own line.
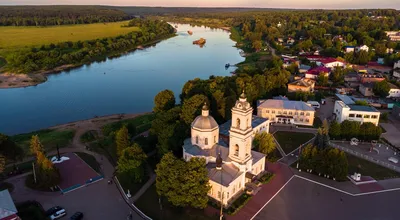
(58, 153)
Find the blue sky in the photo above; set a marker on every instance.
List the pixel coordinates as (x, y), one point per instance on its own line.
(339, 4)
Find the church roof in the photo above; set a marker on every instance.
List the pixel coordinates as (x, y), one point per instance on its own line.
(255, 121)
(224, 176)
(204, 123)
(212, 152)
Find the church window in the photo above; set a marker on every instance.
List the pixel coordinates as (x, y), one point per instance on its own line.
(238, 123)
(215, 139)
(236, 150)
(206, 141)
(227, 195)
(197, 139)
(234, 189)
(219, 194)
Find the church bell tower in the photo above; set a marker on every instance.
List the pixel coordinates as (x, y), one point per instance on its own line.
(240, 140)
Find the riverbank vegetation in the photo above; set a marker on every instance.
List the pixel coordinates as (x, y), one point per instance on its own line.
(58, 15)
(50, 56)
(49, 138)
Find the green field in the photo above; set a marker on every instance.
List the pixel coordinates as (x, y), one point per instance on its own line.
(289, 141)
(37, 36)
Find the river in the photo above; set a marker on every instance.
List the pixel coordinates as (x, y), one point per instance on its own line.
(126, 84)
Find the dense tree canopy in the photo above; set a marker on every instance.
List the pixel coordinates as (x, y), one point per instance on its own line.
(122, 140)
(164, 101)
(9, 149)
(131, 163)
(381, 89)
(183, 183)
(58, 15)
(264, 142)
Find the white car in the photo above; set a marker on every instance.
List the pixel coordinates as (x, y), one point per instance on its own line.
(58, 214)
(393, 160)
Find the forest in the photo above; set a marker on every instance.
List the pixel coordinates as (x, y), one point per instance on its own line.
(58, 15)
(49, 56)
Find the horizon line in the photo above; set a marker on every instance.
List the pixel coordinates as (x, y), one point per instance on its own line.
(222, 7)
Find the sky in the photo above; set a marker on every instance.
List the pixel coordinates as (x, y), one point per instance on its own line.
(302, 4)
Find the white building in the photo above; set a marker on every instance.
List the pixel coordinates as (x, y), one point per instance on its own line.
(286, 112)
(355, 113)
(229, 167)
(394, 91)
(396, 65)
(363, 47)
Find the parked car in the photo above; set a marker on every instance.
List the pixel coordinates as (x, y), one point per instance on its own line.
(58, 214)
(53, 210)
(77, 216)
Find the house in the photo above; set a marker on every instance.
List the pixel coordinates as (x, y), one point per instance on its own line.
(230, 166)
(8, 211)
(317, 71)
(303, 85)
(389, 50)
(304, 68)
(330, 63)
(352, 79)
(289, 61)
(358, 113)
(366, 89)
(313, 58)
(396, 65)
(394, 91)
(349, 49)
(366, 77)
(363, 47)
(286, 112)
(393, 35)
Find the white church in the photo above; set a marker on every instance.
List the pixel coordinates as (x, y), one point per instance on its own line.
(229, 167)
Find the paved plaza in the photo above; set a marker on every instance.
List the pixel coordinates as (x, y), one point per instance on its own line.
(301, 199)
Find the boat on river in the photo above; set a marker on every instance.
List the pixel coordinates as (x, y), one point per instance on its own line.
(200, 41)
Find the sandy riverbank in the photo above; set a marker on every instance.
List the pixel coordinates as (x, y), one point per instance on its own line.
(12, 80)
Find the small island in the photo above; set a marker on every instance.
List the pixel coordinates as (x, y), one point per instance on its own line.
(200, 41)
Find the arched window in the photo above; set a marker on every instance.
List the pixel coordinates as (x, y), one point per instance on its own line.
(206, 141)
(215, 139)
(197, 139)
(236, 150)
(238, 123)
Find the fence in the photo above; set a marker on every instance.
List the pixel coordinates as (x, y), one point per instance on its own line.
(366, 157)
(121, 190)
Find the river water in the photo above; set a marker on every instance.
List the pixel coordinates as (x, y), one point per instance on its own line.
(126, 84)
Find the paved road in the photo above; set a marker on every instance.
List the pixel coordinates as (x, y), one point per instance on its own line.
(301, 199)
(392, 133)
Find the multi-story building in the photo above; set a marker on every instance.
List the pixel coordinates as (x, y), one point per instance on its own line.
(230, 166)
(286, 112)
(355, 113)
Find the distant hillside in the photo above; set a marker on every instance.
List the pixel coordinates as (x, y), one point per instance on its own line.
(58, 15)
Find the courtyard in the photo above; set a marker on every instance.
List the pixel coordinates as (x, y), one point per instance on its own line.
(315, 202)
(289, 141)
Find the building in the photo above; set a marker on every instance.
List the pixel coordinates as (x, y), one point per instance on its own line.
(366, 89)
(394, 91)
(349, 49)
(286, 112)
(314, 73)
(304, 68)
(396, 65)
(396, 70)
(330, 63)
(230, 166)
(393, 35)
(363, 47)
(8, 211)
(303, 85)
(355, 113)
(352, 79)
(363, 78)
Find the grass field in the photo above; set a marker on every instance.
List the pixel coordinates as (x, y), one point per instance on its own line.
(49, 138)
(291, 140)
(367, 168)
(37, 36)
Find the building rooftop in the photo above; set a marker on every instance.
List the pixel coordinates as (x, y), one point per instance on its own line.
(282, 104)
(301, 82)
(226, 175)
(368, 84)
(363, 108)
(7, 206)
(212, 152)
(280, 98)
(346, 99)
(255, 121)
(318, 70)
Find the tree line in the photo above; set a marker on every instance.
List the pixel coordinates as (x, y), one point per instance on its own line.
(47, 57)
(352, 129)
(58, 15)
